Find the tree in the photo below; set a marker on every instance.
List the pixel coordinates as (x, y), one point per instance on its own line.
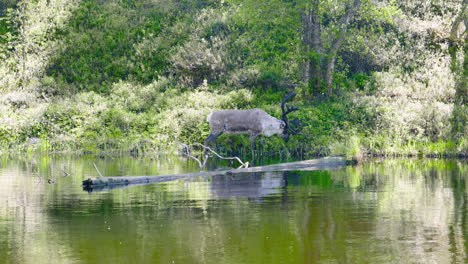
(321, 48)
(458, 40)
(31, 41)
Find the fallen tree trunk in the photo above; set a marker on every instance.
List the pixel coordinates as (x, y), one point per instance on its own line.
(306, 165)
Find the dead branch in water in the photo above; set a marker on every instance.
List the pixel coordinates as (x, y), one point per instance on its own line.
(330, 163)
(66, 174)
(202, 164)
(243, 164)
(100, 175)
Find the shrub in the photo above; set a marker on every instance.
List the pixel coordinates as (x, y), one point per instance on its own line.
(136, 97)
(200, 59)
(185, 119)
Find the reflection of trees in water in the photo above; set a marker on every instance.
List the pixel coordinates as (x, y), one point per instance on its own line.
(402, 211)
(420, 209)
(333, 216)
(38, 220)
(412, 210)
(251, 185)
(25, 232)
(392, 211)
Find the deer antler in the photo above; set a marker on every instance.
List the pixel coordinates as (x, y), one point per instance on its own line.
(288, 110)
(296, 123)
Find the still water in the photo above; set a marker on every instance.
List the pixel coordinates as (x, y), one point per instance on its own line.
(383, 211)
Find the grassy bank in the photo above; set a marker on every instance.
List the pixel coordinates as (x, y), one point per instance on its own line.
(150, 120)
(119, 76)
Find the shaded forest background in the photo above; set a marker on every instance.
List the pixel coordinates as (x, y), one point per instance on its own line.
(373, 77)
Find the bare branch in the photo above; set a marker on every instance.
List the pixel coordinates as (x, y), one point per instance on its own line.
(202, 164)
(462, 17)
(187, 149)
(100, 175)
(221, 157)
(351, 10)
(65, 172)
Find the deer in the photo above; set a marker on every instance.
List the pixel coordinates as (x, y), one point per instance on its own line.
(255, 122)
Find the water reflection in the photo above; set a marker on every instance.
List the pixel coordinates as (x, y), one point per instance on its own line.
(251, 185)
(398, 211)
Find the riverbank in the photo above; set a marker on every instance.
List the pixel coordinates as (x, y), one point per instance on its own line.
(353, 149)
(85, 84)
(345, 125)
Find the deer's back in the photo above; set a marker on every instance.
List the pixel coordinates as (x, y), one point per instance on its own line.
(238, 121)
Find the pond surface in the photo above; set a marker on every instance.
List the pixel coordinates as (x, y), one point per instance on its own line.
(387, 211)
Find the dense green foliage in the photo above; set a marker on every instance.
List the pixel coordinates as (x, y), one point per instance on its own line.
(98, 75)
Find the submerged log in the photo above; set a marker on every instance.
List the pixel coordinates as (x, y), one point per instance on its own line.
(329, 163)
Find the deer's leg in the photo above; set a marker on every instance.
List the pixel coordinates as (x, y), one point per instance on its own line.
(212, 137)
(252, 146)
(252, 140)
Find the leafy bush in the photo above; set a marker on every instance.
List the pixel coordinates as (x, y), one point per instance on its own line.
(97, 75)
(185, 119)
(32, 41)
(198, 60)
(136, 97)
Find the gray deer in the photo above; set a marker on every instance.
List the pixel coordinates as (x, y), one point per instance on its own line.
(254, 122)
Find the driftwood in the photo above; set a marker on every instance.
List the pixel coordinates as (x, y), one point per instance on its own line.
(201, 164)
(329, 163)
(243, 164)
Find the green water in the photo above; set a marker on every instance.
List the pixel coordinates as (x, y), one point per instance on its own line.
(390, 211)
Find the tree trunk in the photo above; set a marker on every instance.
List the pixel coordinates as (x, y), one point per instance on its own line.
(306, 47)
(312, 46)
(351, 11)
(460, 111)
(319, 64)
(455, 41)
(316, 66)
(462, 87)
(460, 114)
(330, 163)
(330, 68)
